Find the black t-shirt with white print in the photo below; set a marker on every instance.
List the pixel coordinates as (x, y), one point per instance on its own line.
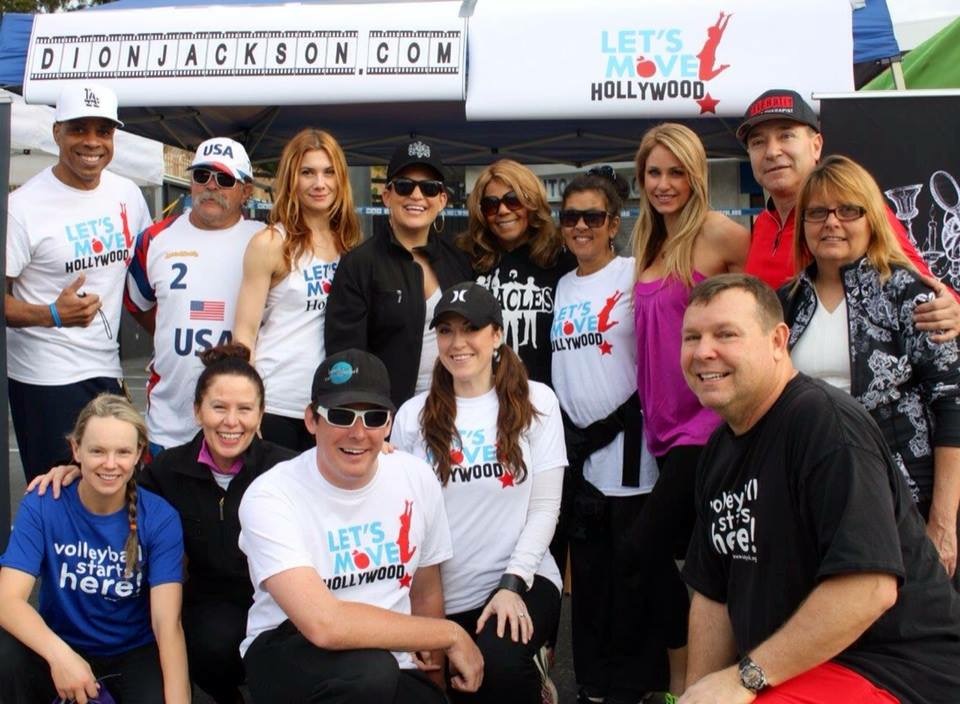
(808, 493)
(526, 294)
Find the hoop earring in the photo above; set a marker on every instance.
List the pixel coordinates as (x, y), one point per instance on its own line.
(443, 222)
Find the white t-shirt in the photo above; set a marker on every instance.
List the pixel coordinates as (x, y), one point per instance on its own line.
(366, 544)
(595, 364)
(428, 348)
(823, 351)
(54, 234)
(290, 342)
(487, 508)
(193, 277)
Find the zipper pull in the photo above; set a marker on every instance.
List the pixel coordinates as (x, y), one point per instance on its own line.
(399, 296)
(221, 508)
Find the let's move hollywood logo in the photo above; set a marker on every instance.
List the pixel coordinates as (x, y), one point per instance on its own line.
(661, 63)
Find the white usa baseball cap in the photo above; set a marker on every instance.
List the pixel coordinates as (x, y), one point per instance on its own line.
(87, 100)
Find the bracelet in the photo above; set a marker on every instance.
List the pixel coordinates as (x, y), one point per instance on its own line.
(55, 315)
(513, 583)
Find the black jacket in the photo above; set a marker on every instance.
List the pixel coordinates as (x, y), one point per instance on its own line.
(216, 567)
(909, 384)
(377, 303)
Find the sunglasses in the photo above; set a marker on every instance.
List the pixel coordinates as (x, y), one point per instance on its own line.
(201, 176)
(490, 205)
(404, 187)
(844, 213)
(591, 218)
(346, 417)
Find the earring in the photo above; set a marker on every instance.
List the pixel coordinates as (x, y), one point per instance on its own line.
(443, 221)
(496, 356)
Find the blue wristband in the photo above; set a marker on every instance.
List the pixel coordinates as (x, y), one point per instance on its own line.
(55, 315)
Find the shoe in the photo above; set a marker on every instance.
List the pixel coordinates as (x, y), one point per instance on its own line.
(659, 698)
(548, 690)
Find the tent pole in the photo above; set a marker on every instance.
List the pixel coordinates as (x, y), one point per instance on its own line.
(896, 67)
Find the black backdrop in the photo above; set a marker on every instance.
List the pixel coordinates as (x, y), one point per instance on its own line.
(910, 142)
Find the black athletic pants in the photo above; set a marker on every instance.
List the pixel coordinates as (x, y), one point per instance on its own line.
(283, 667)
(213, 631)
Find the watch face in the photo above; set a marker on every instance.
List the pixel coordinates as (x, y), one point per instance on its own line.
(752, 676)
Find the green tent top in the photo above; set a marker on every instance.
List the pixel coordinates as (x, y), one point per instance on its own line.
(933, 64)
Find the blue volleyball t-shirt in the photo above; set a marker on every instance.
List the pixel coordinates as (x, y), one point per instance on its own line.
(79, 558)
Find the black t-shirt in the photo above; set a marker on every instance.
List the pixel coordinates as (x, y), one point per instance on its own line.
(808, 493)
(525, 292)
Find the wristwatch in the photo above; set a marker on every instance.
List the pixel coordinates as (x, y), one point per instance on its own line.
(752, 676)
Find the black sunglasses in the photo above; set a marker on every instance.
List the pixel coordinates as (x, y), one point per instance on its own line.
(489, 205)
(591, 218)
(404, 187)
(346, 417)
(201, 176)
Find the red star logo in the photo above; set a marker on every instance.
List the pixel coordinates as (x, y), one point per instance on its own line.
(405, 581)
(707, 104)
(506, 479)
(605, 348)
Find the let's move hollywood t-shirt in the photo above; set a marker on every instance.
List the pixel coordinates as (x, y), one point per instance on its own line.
(85, 598)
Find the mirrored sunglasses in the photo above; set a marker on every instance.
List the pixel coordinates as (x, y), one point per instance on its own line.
(201, 176)
(404, 187)
(591, 218)
(490, 205)
(346, 417)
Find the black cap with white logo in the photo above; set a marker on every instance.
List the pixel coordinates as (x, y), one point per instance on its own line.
(473, 302)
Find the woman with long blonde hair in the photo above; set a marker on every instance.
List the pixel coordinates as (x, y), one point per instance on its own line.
(850, 311)
(109, 556)
(288, 272)
(516, 252)
(678, 241)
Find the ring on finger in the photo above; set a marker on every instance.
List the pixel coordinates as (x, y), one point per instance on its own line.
(521, 615)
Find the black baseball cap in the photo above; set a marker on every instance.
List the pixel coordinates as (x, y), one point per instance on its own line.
(351, 376)
(416, 152)
(473, 302)
(777, 104)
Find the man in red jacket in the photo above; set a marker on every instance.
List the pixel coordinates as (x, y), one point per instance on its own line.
(782, 135)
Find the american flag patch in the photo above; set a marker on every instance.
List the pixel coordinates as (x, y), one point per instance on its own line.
(206, 310)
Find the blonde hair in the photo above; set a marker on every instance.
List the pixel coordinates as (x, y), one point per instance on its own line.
(544, 238)
(113, 406)
(286, 205)
(844, 180)
(650, 236)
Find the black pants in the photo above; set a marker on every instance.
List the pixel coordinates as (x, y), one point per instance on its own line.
(509, 674)
(43, 415)
(283, 667)
(616, 652)
(286, 432)
(213, 631)
(133, 677)
(660, 533)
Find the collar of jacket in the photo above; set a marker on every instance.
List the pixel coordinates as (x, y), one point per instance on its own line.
(195, 468)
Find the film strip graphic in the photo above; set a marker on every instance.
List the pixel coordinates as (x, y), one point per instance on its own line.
(246, 53)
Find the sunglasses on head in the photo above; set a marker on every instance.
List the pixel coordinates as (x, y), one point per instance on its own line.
(404, 187)
(490, 205)
(201, 176)
(591, 218)
(346, 417)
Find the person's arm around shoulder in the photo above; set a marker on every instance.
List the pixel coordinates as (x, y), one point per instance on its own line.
(262, 264)
(941, 316)
(165, 603)
(729, 239)
(348, 305)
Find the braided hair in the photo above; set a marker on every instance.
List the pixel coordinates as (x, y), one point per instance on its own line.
(114, 406)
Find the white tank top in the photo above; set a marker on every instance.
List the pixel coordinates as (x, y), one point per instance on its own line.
(290, 342)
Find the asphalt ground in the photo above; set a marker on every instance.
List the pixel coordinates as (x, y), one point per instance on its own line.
(135, 375)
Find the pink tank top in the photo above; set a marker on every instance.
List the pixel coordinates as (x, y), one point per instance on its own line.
(672, 415)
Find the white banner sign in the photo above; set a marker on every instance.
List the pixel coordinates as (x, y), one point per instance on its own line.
(634, 58)
(257, 55)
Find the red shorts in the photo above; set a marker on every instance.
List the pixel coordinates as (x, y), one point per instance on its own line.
(825, 684)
